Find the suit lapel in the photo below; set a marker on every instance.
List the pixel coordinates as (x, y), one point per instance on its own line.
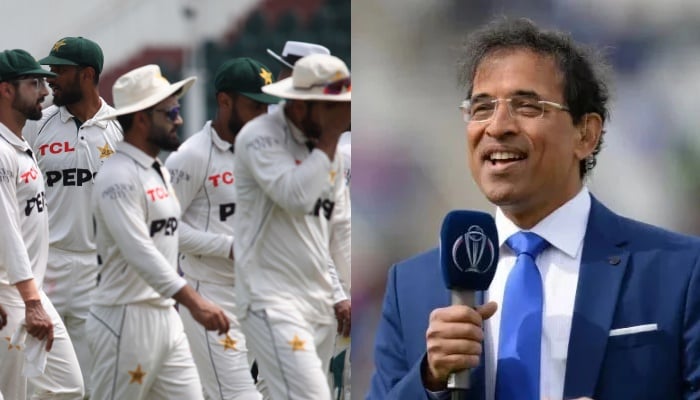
(603, 265)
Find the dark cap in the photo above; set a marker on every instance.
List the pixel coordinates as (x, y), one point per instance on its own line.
(245, 76)
(75, 51)
(17, 62)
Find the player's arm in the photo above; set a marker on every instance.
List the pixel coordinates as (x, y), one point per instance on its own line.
(340, 232)
(187, 173)
(293, 186)
(124, 215)
(13, 253)
(121, 203)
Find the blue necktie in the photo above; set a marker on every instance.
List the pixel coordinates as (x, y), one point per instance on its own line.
(518, 369)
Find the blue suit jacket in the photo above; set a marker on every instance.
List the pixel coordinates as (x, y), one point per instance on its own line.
(631, 274)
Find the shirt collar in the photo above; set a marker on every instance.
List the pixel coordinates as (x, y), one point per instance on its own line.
(136, 154)
(220, 143)
(104, 110)
(11, 138)
(564, 228)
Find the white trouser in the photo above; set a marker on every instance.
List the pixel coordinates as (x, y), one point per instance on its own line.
(61, 378)
(140, 352)
(340, 369)
(222, 361)
(70, 278)
(292, 354)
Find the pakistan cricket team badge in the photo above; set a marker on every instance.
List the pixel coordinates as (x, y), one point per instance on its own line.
(105, 151)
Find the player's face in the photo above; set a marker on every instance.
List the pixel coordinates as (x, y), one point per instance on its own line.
(165, 120)
(29, 95)
(527, 166)
(66, 86)
(244, 110)
(316, 111)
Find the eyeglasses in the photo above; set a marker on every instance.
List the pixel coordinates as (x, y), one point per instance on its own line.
(172, 114)
(529, 107)
(37, 83)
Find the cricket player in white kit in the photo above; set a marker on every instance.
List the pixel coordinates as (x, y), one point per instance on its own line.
(24, 245)
(138, 342)
(204, 179)
(289, 187)
(340, 363)
(70, 144)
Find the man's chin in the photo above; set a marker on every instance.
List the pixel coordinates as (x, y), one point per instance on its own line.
(500, 194)
(34, 116)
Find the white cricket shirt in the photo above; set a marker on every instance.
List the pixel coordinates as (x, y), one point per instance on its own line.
(69, 157)
(136, 214)
(24, 236)
(287, 196)
(201, 172)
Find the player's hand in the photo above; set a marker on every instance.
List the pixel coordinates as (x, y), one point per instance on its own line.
(211, 316)
(342, 315)
(3, 317)
(38, 322)
(453, 341)
(334, 118)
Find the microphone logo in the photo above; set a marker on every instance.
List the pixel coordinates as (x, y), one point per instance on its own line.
(471, 249)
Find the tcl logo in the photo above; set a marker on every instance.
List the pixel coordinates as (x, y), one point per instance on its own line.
(158, 193)
(29, 175)
(226, 178)
(56, 148)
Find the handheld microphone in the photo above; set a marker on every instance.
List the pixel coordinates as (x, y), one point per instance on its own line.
(468, 258)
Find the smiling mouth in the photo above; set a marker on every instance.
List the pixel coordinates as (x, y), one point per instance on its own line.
(504, 157)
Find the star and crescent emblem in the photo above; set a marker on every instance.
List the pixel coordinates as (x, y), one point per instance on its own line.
(228, 342)
(137, 375)
(266, 75)
(58, 45)
(105, 151)
(296, 343)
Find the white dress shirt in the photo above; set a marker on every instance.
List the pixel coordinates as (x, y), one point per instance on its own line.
(559, 266)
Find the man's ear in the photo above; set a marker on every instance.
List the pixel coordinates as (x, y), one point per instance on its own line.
(224, 99)
(589, 131)
(88, 74)
(142, 118)
(6, 89)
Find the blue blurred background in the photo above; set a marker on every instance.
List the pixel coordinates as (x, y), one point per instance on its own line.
(409, 154)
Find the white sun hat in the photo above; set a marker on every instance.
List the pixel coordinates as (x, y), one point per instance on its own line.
(142, 88)
(320, 77)
(294, 50)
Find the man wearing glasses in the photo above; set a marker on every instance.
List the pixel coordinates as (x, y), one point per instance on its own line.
(46, 357)
(139, 345)
(70, 144)
(204, 179)
(584, 302)
(292, 218)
